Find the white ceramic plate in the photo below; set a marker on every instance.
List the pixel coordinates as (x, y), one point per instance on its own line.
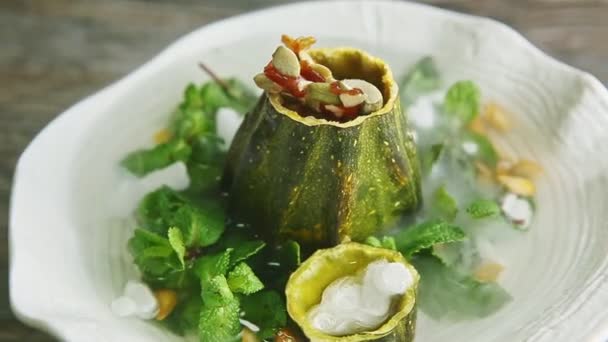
(67, 249)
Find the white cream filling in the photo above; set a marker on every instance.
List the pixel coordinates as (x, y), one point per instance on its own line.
(354, 304)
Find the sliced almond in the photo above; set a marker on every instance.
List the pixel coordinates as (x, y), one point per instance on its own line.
(286, 62)
(162, 136)
(495, 116)
(374, 100)
(518, 185)
(167, 299)
(266, 83)
(526, 168)
(488, 272)
(323, 71)
(352, 100)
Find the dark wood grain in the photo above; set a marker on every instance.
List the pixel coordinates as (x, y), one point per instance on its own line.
(54, 52)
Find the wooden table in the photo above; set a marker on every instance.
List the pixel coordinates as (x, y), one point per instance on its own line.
(54, 52)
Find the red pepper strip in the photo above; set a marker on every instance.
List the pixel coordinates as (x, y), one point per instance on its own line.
(334, 87)
(287, 82)
(309, 73)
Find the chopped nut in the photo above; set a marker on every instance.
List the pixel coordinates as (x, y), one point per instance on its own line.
(286, 62)
(488, 272)
(162, 136)
(518, 185)
(526, 168)
(484, 172)
(323, 71)
(167, 299)
(249, 336)
(374, 100)
(352, 100)
(477, 126)
(503, 167)
(267, 84)
(495, 116)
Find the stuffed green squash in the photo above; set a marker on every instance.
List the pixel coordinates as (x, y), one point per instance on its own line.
(326, 154)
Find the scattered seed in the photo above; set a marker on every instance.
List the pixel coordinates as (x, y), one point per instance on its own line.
(488, 272)
(167, 299)
(518, 185)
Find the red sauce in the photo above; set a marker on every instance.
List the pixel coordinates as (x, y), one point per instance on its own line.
(352, 112)
(348, 113)
(335, 88)
(309, 73)
(287, 82)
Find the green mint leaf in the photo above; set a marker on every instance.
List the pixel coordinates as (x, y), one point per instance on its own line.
(192, 98)
(246, 250)
(429, 157)
(447, 294)
(422, 78)
(142, 162)
(208, 149)
(290, 255)
(242, 248)
(203, 226)
(191, 118)
(388, 242)
(156, 252)
(242, 280)
(444, 205)
(204, 177)
(483, 208)
(186, 315)
(143, 238)
(220, 323)
(209, 266)
(152, 253)
(219, 317)
(156, 210)
(414, 239)
(462, 101)
(176, 240)
(373, 241)
(243, 98)
(237, 96)
(164, 208)
(485, 151)
(215, 291)
(267, 310)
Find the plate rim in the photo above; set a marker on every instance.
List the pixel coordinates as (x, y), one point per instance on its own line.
(53, 326)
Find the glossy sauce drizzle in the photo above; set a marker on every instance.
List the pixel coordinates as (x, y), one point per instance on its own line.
(309, 73)
(287, 82)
